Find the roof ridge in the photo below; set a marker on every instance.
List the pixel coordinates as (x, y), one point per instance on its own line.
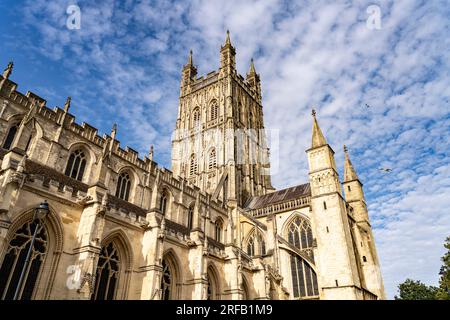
(278, 196)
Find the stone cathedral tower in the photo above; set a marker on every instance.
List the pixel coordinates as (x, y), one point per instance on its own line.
(219, 142)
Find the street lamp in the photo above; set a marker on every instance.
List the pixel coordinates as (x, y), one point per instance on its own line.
(39, 215)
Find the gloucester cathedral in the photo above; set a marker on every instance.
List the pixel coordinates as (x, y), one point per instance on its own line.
(118, 226)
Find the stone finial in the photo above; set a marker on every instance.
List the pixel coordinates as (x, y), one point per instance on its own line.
(21, 164)
(205, 247)
(150, 153)
(105, 200)
(345, 148)
(67, 104)
(162, 230)
(252, 67)
(190, 60)
(8, 70)
(114, 131)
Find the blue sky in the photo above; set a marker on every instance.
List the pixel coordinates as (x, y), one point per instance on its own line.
(123, 65)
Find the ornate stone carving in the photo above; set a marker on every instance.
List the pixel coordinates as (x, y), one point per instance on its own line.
(87, 284)
(83, 200)
(162, 231)
(17, 178)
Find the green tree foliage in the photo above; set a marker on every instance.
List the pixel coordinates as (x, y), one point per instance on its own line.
(444, 282)
(416, 290)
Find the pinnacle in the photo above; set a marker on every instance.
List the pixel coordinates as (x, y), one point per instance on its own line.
(318, 138)
(349, 170)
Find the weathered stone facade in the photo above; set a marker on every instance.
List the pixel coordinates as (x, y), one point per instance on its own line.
(121, 227)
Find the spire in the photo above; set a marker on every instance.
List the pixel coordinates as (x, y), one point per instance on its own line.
(7, 72)
(189, 71)
(349, 171)
(67, 104)
(228, 56)
(227, 40)
(318, 139)
(190, 58)
(252, 67)
(253, 79)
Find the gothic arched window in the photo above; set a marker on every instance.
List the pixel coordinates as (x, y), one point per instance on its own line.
(10, 136)
(212, 159)
(245, 293)
(300, 234)
(218, 230)
(14, 261)
(76, 165)
(261, 245)
(238, 112)
(123, 186)
(108, 269)
(212, 285)
(213, 110)
(256, 245)
(251, 246)
(190, 217)
(304, 279)
(196, 118)
(163, 202)
(193, 165)
(209, 292)
(166, 281)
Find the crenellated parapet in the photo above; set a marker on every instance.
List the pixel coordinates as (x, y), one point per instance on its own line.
(55, 116)
(212, 77)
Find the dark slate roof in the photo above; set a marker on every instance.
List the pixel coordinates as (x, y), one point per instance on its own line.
(48, 173)
(279, 196)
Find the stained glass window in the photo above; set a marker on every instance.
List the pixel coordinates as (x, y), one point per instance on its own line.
(14, 261)
(300, 233)
(76, 165)
(10, 136)
(108, 269)
(304, 279)
(166, 281)
(123, 186)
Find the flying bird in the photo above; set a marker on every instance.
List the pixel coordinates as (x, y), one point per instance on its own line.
(367, 105)
(385, 169)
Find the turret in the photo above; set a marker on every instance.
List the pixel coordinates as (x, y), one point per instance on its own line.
(67, 104)
(338, 275)
(354, 195)
(321, 161)
(253, 78)
(227, 56)
(8, 70)
(6, 73)
(353, 190)
(188, 74)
